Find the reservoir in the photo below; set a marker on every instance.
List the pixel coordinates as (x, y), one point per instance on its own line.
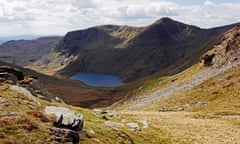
(98, 79)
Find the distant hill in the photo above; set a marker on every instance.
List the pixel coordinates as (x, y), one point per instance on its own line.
(25, 52)
(130, 52)
(21, 37)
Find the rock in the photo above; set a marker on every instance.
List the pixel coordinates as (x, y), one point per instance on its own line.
(67, 126)
(5, 104)
(59, 100)
(11, 114)
(134, 126)
(200, 104)
(175, 108)
(16, 77)
(2, 100)
(12, 71)
(112, 114)
(92, 131)
(66, 118)
(58, 111)
(99, 111)
(114, 124)
(96, 140)
(23, 91)
(64, 135)
(207, 59)
(38, 89)
(164, 110)
(179, 109)
(124, 120)
(8, 78)
(83, 134)
(145, 123)
(105, 117)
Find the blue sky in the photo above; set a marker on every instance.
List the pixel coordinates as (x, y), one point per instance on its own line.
(56, 17)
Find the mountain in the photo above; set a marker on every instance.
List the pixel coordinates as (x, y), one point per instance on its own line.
(187, 107)
(26, 52)
(210, 86)
(130, 52)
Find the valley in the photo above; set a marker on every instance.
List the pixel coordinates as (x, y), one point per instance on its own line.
(180, 84)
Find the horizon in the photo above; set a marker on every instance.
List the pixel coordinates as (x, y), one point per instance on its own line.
(48, 17)
(36, 36)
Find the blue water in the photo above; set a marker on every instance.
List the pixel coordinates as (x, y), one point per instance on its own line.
(98, 79)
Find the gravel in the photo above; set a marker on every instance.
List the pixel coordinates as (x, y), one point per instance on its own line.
(197, 79)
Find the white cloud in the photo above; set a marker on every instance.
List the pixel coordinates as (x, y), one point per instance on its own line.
(47, 17)
(211, 14)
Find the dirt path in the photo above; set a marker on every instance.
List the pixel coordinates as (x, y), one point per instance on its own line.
(188, 127)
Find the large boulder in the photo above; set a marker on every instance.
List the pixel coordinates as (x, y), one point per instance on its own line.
(67, 126)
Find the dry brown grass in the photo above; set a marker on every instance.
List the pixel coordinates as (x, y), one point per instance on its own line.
(188, 127)
(24, 125)
(222, 92)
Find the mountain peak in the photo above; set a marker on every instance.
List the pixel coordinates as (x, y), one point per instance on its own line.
(165, 20)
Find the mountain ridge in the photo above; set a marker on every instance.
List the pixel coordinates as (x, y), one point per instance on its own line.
(146, 51)
(212, 82)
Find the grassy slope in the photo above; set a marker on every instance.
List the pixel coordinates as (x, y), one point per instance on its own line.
(152, 83)
(23, 127)
(199, 125)
(222, 93)
(30, 125)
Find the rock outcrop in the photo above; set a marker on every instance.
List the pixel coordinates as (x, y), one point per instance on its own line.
(67, 126)
(225, 52)
(11, 75)
(27, 85)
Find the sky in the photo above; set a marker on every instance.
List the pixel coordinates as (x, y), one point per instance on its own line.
(57, 17)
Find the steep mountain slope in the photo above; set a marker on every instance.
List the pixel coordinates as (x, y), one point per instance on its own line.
(211, 86)
(26, 52)
(130, 52)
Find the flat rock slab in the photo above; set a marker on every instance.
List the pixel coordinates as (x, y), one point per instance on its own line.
(114, 124)
(23, 91)
(69, 115)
